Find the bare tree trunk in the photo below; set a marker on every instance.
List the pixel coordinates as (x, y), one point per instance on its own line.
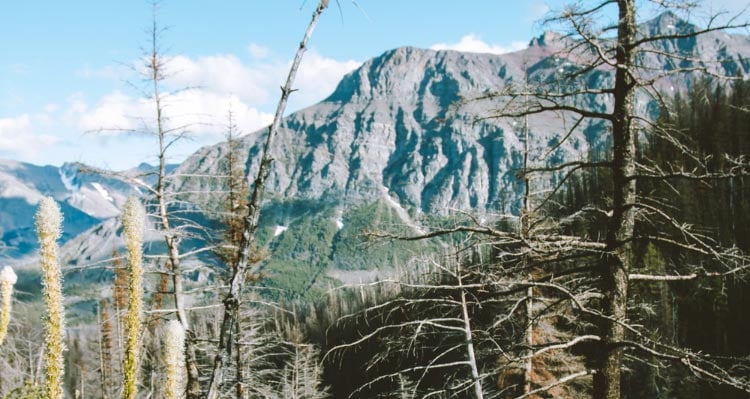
(469, 342)
(239, 371)
(528, 366)
(156, 72)
(614, 272)
(104, 362)
(232, 299)
(525, 228)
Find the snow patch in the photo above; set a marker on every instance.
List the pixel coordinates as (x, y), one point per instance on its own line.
(98, 187)
(352, 277)
(279, 229)
(392, 201)
(400, 211)
(68, 181)
(339, 224)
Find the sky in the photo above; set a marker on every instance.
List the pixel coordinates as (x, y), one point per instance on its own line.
(70, 89)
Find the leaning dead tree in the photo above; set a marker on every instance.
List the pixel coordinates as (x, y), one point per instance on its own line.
(240, 269)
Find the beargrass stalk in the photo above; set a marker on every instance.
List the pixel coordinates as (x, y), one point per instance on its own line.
(174, 353)
(48, 227)
(7, 280)
(132, 221)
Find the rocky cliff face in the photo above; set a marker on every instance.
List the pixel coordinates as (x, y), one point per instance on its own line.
(404, 125)
(390, 128)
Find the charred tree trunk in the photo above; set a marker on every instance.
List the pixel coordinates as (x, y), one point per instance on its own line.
(617, 262)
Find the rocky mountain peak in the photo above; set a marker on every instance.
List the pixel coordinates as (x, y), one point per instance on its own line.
(667, 23)
(85, 197)
(392, 73)
(545, 39)
(403, 129)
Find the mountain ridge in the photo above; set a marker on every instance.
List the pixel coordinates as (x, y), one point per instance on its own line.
(86, 196)
(403, 130)
(391, 126)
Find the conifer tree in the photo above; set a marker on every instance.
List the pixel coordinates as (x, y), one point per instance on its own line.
(250, 225)
(106, 334)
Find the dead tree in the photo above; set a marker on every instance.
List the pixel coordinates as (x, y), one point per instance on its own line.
(154, 71)
(106, 348)
(622, 51)
(164, 206)
(426, 331)
(591, 273)
(239, 270)
(21, 352)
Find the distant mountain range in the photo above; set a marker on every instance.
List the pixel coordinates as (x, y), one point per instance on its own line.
(86, 200)
(399, 138)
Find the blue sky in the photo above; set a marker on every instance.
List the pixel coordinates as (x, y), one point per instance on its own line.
(65, 66)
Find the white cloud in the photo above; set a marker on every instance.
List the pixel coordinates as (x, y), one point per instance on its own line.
(201, 112)
(318, 77)
(221, 82)
(474, 44)
(49, 108)
(249, 86)
(257, 82)
(538, 9)
(206, 112)
(258, 51)
(222, 74)
(19, 122)
(19, 137)
(115, 112)
(76, 103)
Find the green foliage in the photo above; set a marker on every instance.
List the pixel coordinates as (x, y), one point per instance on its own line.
(308, 239)
(354, 250)
(28, 391)
(293, 279)
(301, 253)
(313, 244)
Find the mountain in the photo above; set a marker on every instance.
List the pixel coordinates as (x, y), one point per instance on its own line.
(86, 198)
(387, 132)
(401, 143)
(403, 126)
